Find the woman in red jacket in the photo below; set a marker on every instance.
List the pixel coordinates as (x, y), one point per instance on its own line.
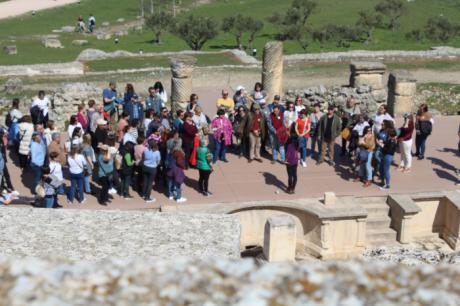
(189, 131)
(405, 143)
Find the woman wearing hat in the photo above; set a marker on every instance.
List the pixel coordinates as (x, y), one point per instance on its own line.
(105, 169)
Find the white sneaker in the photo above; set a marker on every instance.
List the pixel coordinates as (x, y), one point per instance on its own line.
(15, 193)
(181, 200)
(171, 198)
(151, 200)
(84, 200)
(304, 164)
(112, 191)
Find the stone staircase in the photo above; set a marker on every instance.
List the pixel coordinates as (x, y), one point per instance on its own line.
(378, 231)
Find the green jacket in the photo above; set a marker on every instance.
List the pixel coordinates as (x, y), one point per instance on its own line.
(335, 129)
(201, 162)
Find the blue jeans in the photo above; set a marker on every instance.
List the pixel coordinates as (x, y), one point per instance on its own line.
(49, 201)
(385, 170)
(220, 149)
(365, 169)
(36, 176)
(76, 180)
(87, 180)
(303, 148)
(420, 143)
(276, 146)
(178, 189)
(171, 187)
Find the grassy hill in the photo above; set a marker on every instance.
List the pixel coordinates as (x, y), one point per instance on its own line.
(24, 31)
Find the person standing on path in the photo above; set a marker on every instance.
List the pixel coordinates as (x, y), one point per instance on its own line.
(204, 167)
(109, 96)
(424, 127)
(222, 130)
(405, 143)
(292, 161)
(152, 159)
(315, 116)
(278, 133)
(77, 165)
(329, 129)
(302, 129)
(253, 126)
(37, 158)
(105, 170)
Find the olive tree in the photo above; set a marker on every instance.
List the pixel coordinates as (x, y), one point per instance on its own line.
(196, 31)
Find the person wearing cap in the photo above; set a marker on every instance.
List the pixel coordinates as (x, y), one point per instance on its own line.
(278, 133)
(315, 117)
(37, 158)
(225, 102)
(276, 102)
(100, 135)
(222, 130)
(253, 126)
(109, 96)
(329, 129)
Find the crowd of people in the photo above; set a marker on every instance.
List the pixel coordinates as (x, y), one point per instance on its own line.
(127, 144)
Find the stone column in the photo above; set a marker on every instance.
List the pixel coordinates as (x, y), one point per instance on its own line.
(280, 238)
(272, 69)
(369, 74)
(181, 82)
(402, 87)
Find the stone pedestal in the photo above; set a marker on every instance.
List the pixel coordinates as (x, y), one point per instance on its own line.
(280, 238)
(370, 74)
(272, 69)
(181, 82)
(402, 87)
(329, 198)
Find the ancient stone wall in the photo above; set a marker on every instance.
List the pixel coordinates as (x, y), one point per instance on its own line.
(402, 87)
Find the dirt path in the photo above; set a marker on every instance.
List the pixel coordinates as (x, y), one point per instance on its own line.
(13, 8)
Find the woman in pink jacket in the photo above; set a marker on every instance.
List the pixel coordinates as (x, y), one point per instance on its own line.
(222, 129)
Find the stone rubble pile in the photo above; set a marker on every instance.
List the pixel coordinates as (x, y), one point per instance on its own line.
(215, 281)
(68, 97)
(413, 255)
(338, 95)
(94, 235)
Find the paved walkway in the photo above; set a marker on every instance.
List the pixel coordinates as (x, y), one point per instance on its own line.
(239, 181)
(13, 8)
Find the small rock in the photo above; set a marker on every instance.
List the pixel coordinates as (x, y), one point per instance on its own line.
(10, 50)
(52, 43)
(13, 86)
(121, 20)
(105, 24)
(79, 42)
(103, 36)
(68, 29)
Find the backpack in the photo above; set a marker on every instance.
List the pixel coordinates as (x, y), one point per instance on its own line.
(8, 120)
(425, 127)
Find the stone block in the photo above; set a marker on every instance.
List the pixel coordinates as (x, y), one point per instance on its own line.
(10, 50)
(105, 24)
(401, 76)
(79, 42)
(367, 67)
(403, 104)
(280, 238)
(13, 86)
(103, 36)
(121, 20)
(329, 198)
(405, 88)
(373, 80)
(122, 33)
(68, 29)
(52, 43)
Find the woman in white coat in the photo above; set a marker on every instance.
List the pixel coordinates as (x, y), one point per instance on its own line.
(26, 129)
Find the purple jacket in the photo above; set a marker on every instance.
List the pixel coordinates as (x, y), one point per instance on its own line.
(292, 155)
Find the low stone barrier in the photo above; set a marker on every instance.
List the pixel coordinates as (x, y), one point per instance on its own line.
(96, 234)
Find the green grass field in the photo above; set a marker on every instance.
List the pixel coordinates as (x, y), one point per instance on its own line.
(159, 61)
(24, 31)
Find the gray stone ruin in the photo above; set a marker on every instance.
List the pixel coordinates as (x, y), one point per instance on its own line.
(10, 50)
(181, 82)
(272, 69)
(402, 87)
(368, 77)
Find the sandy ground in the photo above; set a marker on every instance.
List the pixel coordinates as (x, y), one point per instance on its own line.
(13, 8)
